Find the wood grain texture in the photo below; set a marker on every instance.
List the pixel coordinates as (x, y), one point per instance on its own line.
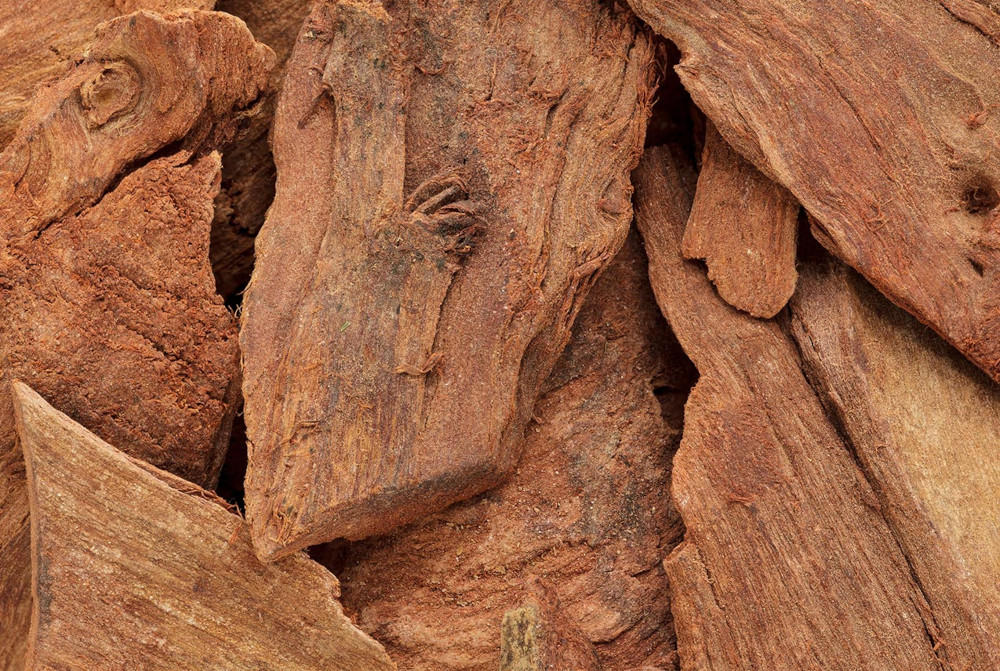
(40, 39)
(925, 426)
(129, 572)
(744, 226)
(787, 561)
(107, 303)
(883, 119)
(416, 282)
(587, 511)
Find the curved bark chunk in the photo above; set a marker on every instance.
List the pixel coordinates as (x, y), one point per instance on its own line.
(107, 304)
(925, 425)
(788, 562)
(451, 179)
(883, 119)
(130, 572)
(743, 225)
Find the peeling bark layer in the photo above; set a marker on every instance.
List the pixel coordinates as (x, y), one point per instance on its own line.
(925, 426)
(883, 119)
(130, 572)
(787, 561)
(416, 281)
(587, 511)
(107, 303)
(743, 225)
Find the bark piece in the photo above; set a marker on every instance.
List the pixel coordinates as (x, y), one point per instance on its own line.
(882, 119)
(131, 572)
(40, 40)
(925, 425)
(248, 171)
(107, 303)
(743, 225)
(787, 561)
(588, 510)
(451, 179)
(539, 637)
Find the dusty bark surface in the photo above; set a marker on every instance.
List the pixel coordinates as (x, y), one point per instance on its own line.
(107, 303)
(416, 281)
(179, 584)
(925, 426)
(539, 637)
(744, 226)
(587, 511)
(40, 39)
(787, 561)
(248, 171)
(882, 119)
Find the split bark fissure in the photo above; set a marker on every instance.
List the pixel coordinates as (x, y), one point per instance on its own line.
(397, 328)
(901, 173)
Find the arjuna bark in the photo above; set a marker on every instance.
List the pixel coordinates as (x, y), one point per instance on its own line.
(882, 120)
(134, 569)
(788, 561)
(452, 177)
(107, 303)
(587, 511)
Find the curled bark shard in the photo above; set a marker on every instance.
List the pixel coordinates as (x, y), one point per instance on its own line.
(883, 120)
(132, 572)
(787, 561)
(744, 226)
(588, 509)
(451, 179)
(107, 303)
(925, 426)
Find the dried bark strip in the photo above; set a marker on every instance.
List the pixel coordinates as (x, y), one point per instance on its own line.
(883, 121)
(130, 572)
(539, 637)
(787, 562)
(416, 281)
(588, 510)
(925, 425)
(107, 303)
(744, 226)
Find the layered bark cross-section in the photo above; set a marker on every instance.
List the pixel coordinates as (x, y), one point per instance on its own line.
(788, 561)
(451, 179)
(107, 303)
(883, 119)
(138, 569)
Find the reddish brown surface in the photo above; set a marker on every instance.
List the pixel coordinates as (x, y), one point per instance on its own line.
(883, 119)
(451, 178)
(107, 303)
(787, 561)
(588, 509)
(539, 637)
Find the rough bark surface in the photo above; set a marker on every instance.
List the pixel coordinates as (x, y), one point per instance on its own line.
(925, 426)
(107, 303)
(744, 226)
(787, 561)
(539, 637)
(248, 172)
(129, 572)
(416, 282)
(883, 119)
(587, 511)
(40, 39)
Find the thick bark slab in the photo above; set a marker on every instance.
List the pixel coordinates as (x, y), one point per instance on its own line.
(107, 303)
(131, 570)
(787, 562)
(882, 119)
(588, 509)
(40, 39)
(925, 426)
(248, 171)
(539, 637)
(743, 225)
(451, 179)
